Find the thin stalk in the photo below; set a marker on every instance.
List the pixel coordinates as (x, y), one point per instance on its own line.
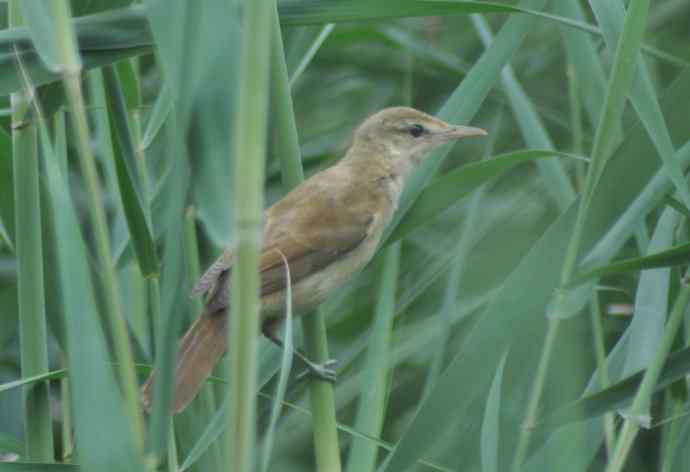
(250, 155)
(309, 55)
(66, 423)
(173, 466)
(33, 336)
(65, 406)
(326, 448)
(640, 406)
(206, 404)
(602, 371)
(71, 70)
(576, 123)
(672, 433)
(618, 89)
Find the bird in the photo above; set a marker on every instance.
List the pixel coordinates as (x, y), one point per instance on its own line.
(326, 229)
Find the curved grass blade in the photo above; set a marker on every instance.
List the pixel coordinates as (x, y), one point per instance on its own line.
(6, 186)
(676, 256)
(617, 395)
(132, 199)
(52, 375)
(160, 112)
(41, 27)
(451, 187)
(285, 367)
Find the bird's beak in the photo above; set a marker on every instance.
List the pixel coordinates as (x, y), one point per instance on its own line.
(457, 132)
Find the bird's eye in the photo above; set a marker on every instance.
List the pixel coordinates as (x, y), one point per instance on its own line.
(416, 130)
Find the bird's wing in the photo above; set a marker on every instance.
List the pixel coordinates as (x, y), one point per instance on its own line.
(309, 228)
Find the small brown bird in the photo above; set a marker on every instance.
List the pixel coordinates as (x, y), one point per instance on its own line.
(327, 229)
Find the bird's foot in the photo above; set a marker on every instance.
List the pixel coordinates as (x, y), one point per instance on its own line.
(325, 371)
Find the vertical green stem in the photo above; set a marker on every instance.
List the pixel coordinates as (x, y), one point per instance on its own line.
(576, 122)
(326, 446)
(66, 423)
(250, 153)
(29, 252)
(602, 373)
(71, 70)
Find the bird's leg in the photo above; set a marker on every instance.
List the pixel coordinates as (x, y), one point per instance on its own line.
(323, 371)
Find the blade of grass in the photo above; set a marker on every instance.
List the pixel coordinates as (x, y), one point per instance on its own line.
(33, 336)
(375, 378)
(160, 112)
(6, 189)
(448, 189)
(285, 367)
(310, 53)
(130, 193)
(583, 54)
(651, 301)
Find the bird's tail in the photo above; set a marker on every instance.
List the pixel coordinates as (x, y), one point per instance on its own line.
(200, 349)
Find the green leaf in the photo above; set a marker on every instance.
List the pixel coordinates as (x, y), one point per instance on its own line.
(490, 434)
(38, 19)
(676, 256)
(6, 185)
(616, 396)
(37, 467)
(451, 187)
(158, 116)
(132, 200)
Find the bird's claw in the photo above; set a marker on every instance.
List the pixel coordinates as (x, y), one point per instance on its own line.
(323, 371)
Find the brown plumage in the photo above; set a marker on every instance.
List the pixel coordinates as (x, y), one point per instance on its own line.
(327, 228)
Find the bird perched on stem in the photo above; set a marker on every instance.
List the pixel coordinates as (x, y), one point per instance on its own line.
(327, 228)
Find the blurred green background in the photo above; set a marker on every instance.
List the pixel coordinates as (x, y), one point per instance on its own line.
(467, 342)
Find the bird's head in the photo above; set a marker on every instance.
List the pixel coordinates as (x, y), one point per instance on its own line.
(405, 135)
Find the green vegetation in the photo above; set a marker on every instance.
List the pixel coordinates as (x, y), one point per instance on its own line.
(527, 311)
